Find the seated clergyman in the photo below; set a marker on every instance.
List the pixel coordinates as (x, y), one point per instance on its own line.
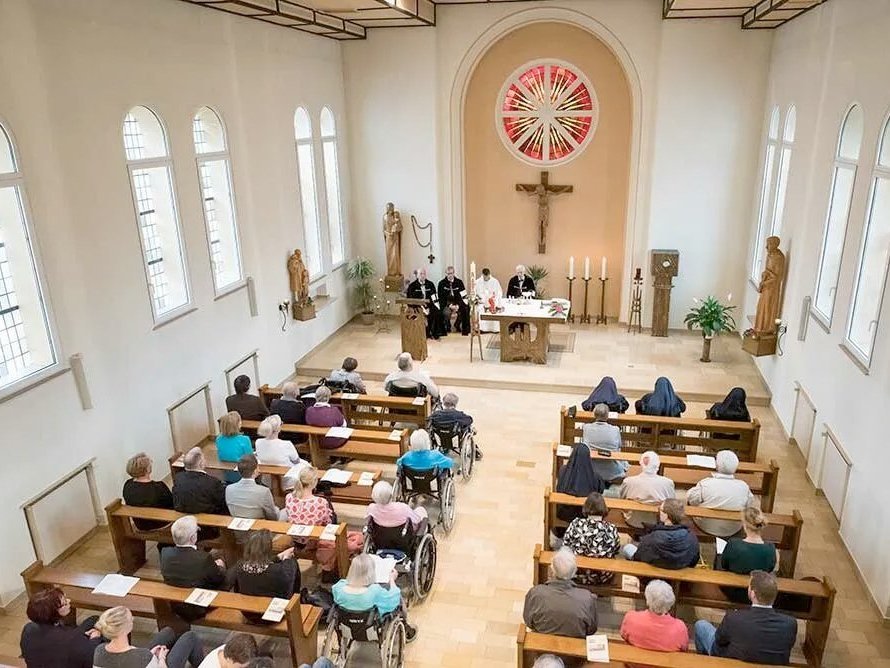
(559, 606)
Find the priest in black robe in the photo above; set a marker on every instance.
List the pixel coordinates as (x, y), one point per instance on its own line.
(520, 283)
(453, 293)
(422, 288)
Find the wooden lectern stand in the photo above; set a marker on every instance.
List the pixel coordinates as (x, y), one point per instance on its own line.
(413, 323)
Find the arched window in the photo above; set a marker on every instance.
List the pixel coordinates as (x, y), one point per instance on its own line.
(308, 198)
(769, 166)
(871, 276)
(217, 197)
(843, 179)
(27, 346)
(332, 186)
(151, 178)
(784, 167)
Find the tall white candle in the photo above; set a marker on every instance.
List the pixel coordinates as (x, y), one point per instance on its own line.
(472, 268)
(603, 271)
(571, 266)
(587, 268)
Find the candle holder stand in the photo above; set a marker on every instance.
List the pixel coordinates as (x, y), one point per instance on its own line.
(601, 318)
(635, 321)
(571, 318)
(585, 318)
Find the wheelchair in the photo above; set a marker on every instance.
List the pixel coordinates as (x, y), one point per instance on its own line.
(433, 483)
(347, 627)
(453, 438)
(412, 390)
(414, 551)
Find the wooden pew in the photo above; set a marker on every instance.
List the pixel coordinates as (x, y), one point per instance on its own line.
(783, 530)
(811, 600)
(370, 411)
(531, 645)
(693, 434)
(352, 493)
(129, 542)
(153, 599)
(763, 479)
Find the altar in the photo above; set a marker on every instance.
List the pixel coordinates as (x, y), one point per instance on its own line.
(525, 327)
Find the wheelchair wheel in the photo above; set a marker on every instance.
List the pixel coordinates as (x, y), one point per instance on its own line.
(335, 647)
(392, 647)
(446, 505)
(467, 456)
(424, 571)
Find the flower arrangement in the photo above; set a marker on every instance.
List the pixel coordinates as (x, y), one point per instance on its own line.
(559, 307)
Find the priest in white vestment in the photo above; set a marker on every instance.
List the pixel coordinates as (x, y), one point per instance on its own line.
(486, 287)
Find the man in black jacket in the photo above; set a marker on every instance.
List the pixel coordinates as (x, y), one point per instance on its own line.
(757, 634)
(195, 491)
(670, 543)
(248, 406)
(187, 566)
(290, 409)
(453, 295)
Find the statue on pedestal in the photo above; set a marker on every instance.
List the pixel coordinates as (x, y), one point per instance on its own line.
(392, 236)
(761, 339)
(299, 287)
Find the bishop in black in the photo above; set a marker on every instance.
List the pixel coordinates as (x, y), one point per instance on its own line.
(423, 288)
(520, 283)
(453, 292)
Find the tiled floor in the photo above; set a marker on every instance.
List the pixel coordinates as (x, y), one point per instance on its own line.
(484, 569)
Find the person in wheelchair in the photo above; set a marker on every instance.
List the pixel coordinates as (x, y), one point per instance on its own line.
(406, 377)
(421, 456)
(347, 375)
(358, 592)
(448, 416)
(388, 513)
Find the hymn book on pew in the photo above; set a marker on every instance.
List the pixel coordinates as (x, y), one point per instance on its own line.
(275, 611)
(352, 396)
(241, 524)
(395, 435)
(201, 597)
(563, 450)
(702, 461)
(339, 432)
(330, 532)
(598, 648)
(419, 401)
(300, 530)
(337, 477)
(115, 584)
(366, 479)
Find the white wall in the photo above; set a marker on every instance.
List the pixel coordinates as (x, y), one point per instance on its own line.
(822, 62)
(687, 81)
(68, 73)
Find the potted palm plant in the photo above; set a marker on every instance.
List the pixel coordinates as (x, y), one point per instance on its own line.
(360, 273)
(712, 317)
(538, 274)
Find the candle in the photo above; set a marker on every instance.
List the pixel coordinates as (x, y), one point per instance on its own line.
(472, 268)
(587, 268)
(603, 271)
(572, 266)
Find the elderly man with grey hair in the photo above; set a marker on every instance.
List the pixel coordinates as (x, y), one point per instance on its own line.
(548, 661)
(407, 376)
(721, 491)
(195, 491)
(448, 415)
(290, 409)
(559, 606)
(648, 486)
(520, 284)
(655, 628)
(186, 566)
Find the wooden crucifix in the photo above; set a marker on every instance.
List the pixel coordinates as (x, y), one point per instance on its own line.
(543, 191)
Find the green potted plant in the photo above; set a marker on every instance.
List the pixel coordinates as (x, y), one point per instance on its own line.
(360, 273)
(712, 317)
(538, 274)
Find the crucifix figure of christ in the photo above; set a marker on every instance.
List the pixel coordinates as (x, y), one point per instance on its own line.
(543, 191)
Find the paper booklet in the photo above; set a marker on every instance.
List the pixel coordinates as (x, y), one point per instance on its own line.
(366, 479)
(383, 569)
(114, 584)
(419, 401)
(337, 476)
(241, 524)
(630, 583)
(275, 611)
(721, 544)
(294, 471)
(349, 396)
(613, 415)
(330, 532)
(201, 597)
(598, 648)
(300, 530)
(339, 432)
(563, 450)
(395, 435)
(703, 461)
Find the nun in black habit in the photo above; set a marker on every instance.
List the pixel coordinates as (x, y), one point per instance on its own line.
(661, 401)
(577, 478)
(606, 393)
(733, 408)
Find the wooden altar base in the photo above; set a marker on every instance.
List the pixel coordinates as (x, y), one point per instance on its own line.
(518, 345)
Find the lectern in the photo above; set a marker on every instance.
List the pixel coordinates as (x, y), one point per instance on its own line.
(665, 265)
(413, 323)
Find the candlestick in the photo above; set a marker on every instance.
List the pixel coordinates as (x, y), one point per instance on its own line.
(603, 270)
(571, 267)
(639, 275)
(585, 318)
(634, 322)
(601, 318)
(587, 268)
(571, 316)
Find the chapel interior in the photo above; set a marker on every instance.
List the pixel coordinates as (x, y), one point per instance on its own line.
(197, 191)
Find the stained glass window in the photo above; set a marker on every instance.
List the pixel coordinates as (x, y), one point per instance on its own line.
(547, 112)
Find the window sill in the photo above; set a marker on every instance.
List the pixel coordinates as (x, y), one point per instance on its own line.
(315, 280)
(819, 320)
(323, 301)
(173, 317)
(339, 265)
(30, 382)
(230, 289)
(862, 366)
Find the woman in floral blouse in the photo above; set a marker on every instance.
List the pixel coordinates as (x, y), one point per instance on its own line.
(592, 536)
(304, 507)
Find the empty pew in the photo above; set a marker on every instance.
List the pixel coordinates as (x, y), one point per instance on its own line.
(763, 479)
(783, 530)
(129, 542)
(351, 493)
(811, 600)
(667, 435)
(531, 645)
(153, 599)
(370, 411)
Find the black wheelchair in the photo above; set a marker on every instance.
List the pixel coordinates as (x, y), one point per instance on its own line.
(454, 438)
(410, 390)
(411, 484)
(347, 627)
(413, 549)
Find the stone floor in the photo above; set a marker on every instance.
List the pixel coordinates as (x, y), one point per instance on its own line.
(484, 569)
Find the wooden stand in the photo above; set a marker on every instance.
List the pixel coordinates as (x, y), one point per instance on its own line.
(601, 318)
(635, 320)
(585, 317)
(304, 311)
(571, 318)
(413, 323)
(475, 331)
(759, 345)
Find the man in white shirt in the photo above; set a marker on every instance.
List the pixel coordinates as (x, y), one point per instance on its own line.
(408, 376)
(246, 498)
(486, 287)
(646, 487)
(722, 491)
(239, 650)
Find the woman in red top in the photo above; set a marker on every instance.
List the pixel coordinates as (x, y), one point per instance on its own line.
(655, 628)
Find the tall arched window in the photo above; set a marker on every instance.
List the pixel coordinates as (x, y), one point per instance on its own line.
(308, 198)
(27, 346)
(151, 178)
(763, 210)
(332, 186)
(874, 253)
(784, 167)
(217, 197)
(843, 178)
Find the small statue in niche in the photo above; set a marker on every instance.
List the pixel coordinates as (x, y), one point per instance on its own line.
(392, 236)
(299, 278)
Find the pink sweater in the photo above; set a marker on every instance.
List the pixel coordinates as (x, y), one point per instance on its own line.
(646, 630)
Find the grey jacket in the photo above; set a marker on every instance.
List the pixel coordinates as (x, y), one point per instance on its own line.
(605, 436)
(561, 608)
(246, 498)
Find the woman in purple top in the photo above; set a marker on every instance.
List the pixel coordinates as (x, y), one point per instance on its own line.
(322, 414)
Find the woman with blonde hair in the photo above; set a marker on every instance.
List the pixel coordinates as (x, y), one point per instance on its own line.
(164, 650)
(143, 492)
(751, 553)
(231, 444)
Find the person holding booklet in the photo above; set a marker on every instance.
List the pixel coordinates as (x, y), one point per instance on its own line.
(322, 414)
(164, 650)
(261, 572)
